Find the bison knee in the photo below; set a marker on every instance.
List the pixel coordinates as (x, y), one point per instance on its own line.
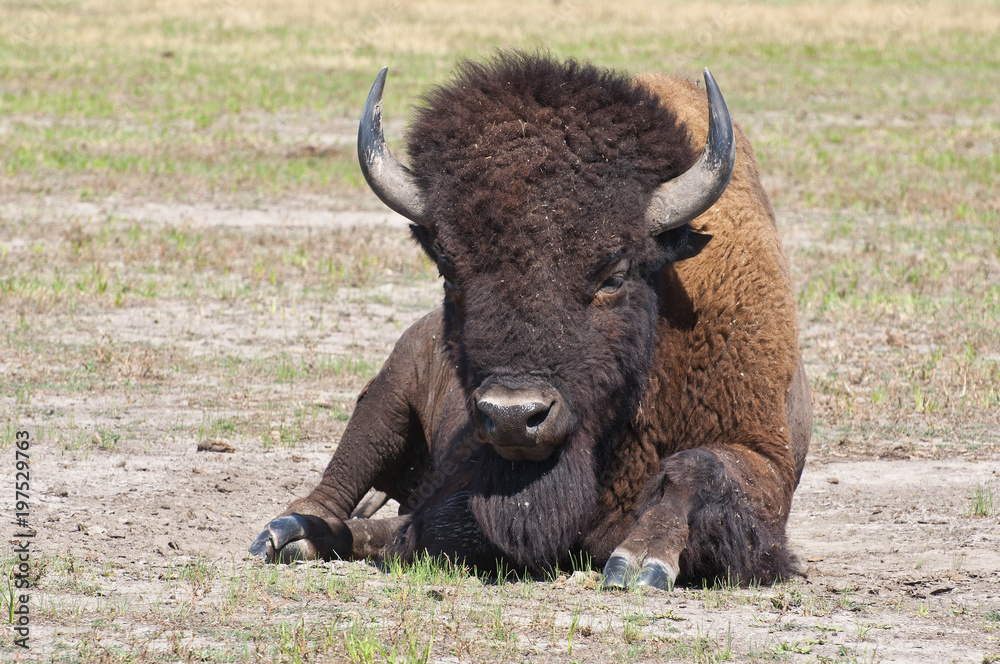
(734, 534)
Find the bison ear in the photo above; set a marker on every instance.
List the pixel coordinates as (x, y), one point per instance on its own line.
(424, 239)
(682, 242)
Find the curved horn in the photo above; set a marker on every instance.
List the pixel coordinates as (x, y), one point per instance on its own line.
(390, 180)
(678, 201)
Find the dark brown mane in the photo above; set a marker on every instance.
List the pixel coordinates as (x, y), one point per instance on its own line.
(525, 123)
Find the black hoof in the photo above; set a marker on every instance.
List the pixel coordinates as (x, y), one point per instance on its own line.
(301, 549)
(282, 531)
(302, 537)
(656, 574)
(620, 572)
(287, 529)
(259, 546)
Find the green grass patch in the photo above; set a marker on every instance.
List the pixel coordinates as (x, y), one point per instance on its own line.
(982, 501)
(286, 368)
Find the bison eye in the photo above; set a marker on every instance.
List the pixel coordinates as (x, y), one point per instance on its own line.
(609, 287)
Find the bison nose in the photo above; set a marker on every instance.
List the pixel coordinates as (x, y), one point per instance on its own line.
(526, 423)
(513, 424)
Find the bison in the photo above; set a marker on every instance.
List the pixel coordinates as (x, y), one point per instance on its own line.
(615, 368)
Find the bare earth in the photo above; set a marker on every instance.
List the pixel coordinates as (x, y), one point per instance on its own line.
(897, 570)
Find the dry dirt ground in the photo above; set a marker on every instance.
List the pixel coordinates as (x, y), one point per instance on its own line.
(897, 567)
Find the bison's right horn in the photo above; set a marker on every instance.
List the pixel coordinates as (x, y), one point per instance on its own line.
(390, 180)
(680, 200)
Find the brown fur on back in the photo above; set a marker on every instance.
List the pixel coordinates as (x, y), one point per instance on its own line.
(726, 352)
(742, 344)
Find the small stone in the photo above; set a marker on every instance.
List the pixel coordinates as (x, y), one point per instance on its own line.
(216, 445)
(587, 580)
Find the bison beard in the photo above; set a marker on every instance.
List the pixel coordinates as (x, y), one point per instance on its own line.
(534, 513)
(529, 515)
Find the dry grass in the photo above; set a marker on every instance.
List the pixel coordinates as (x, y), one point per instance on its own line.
(431, 27)
(899, 319)
(216, 99)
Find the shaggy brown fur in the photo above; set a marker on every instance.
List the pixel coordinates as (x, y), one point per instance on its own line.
(684, 383)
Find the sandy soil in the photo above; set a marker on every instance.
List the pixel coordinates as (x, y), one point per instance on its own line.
(885, 541)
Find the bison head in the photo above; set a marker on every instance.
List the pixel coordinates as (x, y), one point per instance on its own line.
(549, 195)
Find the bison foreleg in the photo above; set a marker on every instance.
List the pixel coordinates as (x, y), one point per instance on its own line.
(650, 555)
(719, 515)
(383, 448)
(307, 537)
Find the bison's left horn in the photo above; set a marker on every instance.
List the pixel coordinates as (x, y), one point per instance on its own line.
(391, 181)
(680, 200)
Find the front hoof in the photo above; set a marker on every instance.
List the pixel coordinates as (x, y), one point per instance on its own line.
(620, 572)
(302, 537)
(301, 549)
(287, 529)
(285, 540)
(657, 574)
(261, 544)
